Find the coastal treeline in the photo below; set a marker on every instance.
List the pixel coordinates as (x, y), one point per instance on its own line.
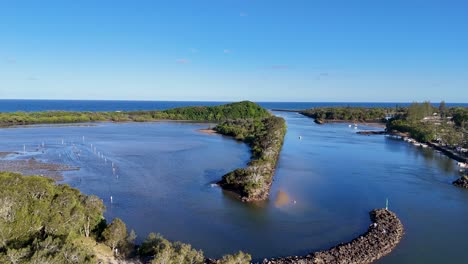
(244, 109)
(351, 114)
(41, 222)
(265, 137)
(424, 121)
(427, 123)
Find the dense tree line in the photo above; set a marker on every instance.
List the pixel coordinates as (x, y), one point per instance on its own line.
(352, 114)
(41, 222)
(427, 123)
(243, 109)
(265, 137)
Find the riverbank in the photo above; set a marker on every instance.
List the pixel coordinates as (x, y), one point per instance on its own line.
(383, 235)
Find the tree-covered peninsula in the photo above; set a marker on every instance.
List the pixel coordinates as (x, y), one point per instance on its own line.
(265, 137)
(238, 110)
(41, 222)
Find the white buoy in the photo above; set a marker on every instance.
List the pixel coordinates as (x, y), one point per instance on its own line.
(300, 137)
(111, 198)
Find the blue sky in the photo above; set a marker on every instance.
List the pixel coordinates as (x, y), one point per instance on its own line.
(311, 50)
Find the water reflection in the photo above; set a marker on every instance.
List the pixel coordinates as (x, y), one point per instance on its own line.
(430, 156)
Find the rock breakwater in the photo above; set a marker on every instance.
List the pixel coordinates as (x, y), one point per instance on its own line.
(462, 182)
(382, 237)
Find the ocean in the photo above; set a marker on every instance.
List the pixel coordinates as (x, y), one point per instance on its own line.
(13, 105)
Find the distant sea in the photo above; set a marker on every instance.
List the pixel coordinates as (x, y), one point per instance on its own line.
(12, 105)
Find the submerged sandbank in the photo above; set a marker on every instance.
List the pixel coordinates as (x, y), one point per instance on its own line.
(32, 166)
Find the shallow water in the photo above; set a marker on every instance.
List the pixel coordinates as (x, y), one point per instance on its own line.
(326, 183)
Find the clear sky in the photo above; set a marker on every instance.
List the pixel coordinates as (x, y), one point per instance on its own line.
(271, 50)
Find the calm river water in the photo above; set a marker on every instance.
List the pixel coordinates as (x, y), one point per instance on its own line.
(325, 185)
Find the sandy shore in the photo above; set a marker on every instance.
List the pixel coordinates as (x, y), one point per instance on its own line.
(207, 131)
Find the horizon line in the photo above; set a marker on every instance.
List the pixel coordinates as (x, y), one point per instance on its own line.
(225, 101)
